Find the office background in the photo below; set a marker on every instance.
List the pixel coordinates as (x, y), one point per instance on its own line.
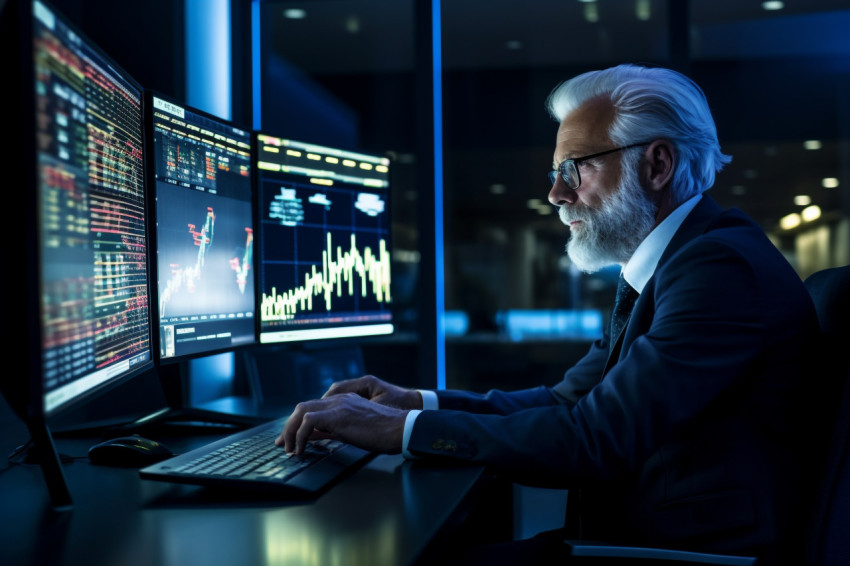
(454, 93)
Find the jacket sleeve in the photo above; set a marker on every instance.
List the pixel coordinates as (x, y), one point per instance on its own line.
(495, 401)
(586, 373)
(702, 329)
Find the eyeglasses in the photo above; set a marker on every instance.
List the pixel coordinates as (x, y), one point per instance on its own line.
(568, 168)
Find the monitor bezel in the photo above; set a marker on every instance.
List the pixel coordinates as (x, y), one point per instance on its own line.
(16, 38)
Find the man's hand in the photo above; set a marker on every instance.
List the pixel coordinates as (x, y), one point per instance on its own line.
(348, 417)
(379, 391)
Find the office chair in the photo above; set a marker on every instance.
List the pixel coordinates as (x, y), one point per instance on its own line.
(828, 537)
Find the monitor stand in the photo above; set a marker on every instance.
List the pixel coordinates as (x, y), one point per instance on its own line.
(230, 413)
(43, 451)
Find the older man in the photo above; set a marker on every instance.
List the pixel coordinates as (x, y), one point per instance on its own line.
(678, 428)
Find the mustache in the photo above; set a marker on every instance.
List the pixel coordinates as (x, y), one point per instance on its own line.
(571, 214)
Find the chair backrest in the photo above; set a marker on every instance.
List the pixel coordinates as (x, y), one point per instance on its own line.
(829, 290)
(829, 537)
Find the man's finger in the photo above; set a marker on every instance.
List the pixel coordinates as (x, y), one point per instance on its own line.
(293, 423)
(354, 385)
(310, 423)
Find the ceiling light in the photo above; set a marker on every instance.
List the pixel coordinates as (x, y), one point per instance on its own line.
(773, 5)
(533, 203)
(352, 24)
(829, 182)
(544, 210)
(498, 189)
(812, 144)
(514, 44)
(643, 10)
(811, 213)
(591, 12)
(802, 200)
(790, 221)
(294, 13)
(739, 190)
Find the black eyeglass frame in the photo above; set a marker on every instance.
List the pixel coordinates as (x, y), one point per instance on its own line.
(576, 161)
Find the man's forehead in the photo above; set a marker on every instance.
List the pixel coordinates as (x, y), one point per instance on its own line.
(587, 126)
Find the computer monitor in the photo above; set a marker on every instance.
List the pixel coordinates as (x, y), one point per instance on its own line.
(76, 183)
(324, 246)
(201, 174)
(200, 171)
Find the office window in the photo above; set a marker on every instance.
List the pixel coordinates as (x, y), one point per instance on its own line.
(776, 79)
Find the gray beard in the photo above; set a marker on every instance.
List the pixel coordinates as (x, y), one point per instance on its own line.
(610, 235)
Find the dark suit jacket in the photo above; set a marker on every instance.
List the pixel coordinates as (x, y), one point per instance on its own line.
(694, 432)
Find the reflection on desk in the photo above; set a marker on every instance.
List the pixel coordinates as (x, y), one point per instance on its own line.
(388, 512)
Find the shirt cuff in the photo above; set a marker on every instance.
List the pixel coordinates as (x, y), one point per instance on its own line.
(429, 400)
(408, 428)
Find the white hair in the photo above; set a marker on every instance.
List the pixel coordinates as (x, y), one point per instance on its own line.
(653, 103)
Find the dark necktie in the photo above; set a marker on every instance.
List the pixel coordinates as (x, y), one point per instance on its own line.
(623, 304)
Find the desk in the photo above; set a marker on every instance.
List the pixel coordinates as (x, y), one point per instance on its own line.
(387, 513)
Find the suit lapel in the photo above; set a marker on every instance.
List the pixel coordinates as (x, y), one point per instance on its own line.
(696, 223)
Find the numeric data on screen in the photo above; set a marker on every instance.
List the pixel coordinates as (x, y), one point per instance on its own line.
(92, 212)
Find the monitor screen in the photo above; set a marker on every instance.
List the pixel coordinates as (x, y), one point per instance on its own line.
(89, 209)
(324, 246)
(201, 175)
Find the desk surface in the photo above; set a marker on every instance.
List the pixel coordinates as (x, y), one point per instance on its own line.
(387, 513)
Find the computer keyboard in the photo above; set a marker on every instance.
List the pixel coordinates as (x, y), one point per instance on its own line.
(249, 459)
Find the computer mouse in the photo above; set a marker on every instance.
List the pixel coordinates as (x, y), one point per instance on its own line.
(129, 452)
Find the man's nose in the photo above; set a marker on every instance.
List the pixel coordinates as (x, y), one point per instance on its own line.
(561, 194)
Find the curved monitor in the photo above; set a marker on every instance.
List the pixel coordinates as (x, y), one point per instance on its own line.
(76, 164)
(201, 175)
(90, 215)
(325, 242)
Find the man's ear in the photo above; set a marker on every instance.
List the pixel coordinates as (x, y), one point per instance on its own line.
(659, 165)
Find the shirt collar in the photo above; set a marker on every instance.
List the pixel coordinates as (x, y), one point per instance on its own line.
(641, 265)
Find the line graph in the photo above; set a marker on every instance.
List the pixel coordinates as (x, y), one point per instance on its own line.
(343, 273)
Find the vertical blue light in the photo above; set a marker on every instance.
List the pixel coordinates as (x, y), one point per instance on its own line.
(208, 61)
(437, 73)
(256, 67)
(208, 83)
